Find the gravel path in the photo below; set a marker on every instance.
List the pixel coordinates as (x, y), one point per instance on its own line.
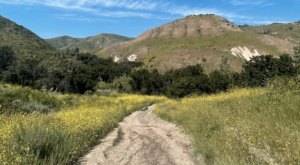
(143, 139)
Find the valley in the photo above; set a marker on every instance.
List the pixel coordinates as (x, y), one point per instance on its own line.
(197, 90)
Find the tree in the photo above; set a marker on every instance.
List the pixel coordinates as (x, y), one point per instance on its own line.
(219, 81)
(258, 70)
(7, 58)
(262, 68)
(285, 65)
(25, 72)
(147, 82)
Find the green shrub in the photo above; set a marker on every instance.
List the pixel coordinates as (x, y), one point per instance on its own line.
(25, 100)
(123, 84)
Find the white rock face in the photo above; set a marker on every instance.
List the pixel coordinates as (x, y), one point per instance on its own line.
(244, 52)
(132, 58)
(116, 59)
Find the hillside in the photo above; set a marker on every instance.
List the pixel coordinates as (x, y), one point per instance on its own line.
(23, 41)
(201, 39)
(89, 44)
(289, 31)
(60, 42)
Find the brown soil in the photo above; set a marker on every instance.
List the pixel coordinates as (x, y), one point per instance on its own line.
(143, 139)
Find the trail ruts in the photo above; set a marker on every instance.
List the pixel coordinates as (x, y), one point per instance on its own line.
(143, 139)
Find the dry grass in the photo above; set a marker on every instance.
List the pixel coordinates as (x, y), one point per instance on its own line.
(62, 137)
(247, 126)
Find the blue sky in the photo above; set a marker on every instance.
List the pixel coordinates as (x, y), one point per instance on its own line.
(81, 18)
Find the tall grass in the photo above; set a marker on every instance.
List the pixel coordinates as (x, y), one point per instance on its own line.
(63, 136)
(16, 99)
(246, 126)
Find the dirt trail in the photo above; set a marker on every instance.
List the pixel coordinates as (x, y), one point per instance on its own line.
(143, 139)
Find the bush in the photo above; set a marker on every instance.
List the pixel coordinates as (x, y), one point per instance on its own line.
(24, 100)
(123, 84)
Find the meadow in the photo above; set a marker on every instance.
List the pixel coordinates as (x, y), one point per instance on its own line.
(43, 128)
(243, 126)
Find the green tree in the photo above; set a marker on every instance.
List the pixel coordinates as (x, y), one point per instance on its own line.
(219, 81)
(7, 58)
(285, 65)
(258, 70)
(25, 72)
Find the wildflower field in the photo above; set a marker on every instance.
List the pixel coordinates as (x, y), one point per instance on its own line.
(41, 128)
(244, 126)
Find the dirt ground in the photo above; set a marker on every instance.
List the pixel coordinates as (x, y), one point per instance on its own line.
(143, 139)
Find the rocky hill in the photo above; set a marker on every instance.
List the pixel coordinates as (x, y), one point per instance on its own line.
(201, 39)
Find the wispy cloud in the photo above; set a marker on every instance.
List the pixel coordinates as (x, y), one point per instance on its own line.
(121, 8)
(158, 9)
(261, 3)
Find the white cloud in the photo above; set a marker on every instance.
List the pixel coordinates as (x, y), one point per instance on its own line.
(119, 8)
(157, 9)
(262, 3)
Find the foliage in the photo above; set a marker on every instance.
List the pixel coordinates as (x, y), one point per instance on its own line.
(147, 82)
(7, 57)
(15, 100)
(70, 72)
(193, 80)
(74, 72)
(260, 69)
(123, 84)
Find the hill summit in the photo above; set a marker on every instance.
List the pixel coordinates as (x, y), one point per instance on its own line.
(192, 26)
(199, 39)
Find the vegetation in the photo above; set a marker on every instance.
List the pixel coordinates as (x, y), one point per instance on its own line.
(69, 71)
(18, 100)
(23, 42)
(193, 80)
(288, 31)
(31, 136)
(245, 126)
(74, 72)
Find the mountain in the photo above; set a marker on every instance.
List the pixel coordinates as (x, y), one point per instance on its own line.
(60, 42)
(288, 31)
(24, 42)
(89, 44)
(201, 39)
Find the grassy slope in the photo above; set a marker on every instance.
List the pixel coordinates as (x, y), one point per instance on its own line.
(248, 126)
(60, 42)
(95, 43)
(165, 54)
(63, 136)
(289, 31)
(22, 40)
